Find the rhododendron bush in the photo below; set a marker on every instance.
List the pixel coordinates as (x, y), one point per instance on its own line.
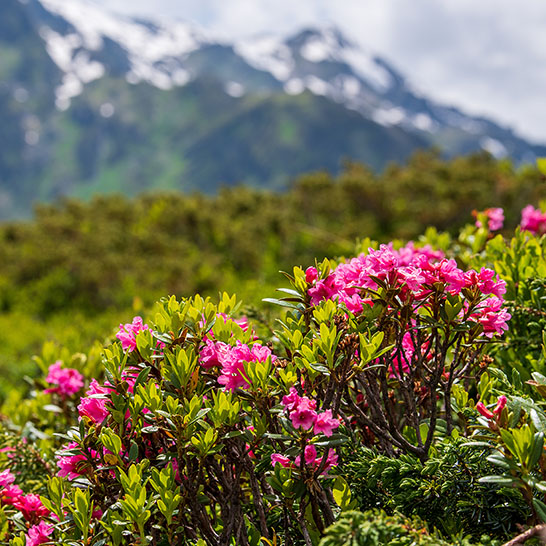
(196, 426)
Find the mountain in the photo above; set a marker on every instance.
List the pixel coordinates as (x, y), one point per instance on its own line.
(95, 102)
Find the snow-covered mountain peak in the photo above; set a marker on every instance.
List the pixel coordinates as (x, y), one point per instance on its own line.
(149, 40)
(292, 58)
(87, 41)
(153, 50)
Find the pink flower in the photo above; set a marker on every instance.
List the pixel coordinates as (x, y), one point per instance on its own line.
(92, 407)
(325, 289)
(313, 460)
(233, 364)
(304, 415)
(395, 267)
(213, 353)
(447, 272)
(10, 494)
(31, 506)
(39, 534)
(281, 459)
(128, 332)
(486, 281)
(290, 401)
(6, 478)
(501, 403)
(325, 423)
(492, 317)
(331, 460)
(310, 454)
(97, 514)
(73, 465)
(408, 254)
(495, 219)
(480, 406)
(68, 381)
(533, 220)
(311, 275)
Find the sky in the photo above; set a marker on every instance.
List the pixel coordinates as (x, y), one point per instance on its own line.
(485, 56)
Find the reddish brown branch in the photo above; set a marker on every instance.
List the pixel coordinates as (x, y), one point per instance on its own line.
(537, 531)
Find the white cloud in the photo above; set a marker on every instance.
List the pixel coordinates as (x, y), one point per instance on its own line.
(488, 57)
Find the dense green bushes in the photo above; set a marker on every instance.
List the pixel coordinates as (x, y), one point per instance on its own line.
(95, 256)
(383, 399)
(78, 268)
(384, 409)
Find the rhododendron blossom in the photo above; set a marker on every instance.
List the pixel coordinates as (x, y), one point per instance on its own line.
(492, 317)
(533, 220)
(232, 361)
(281, 459)
(67, 380)
(325, 423)
(303, 414)
(128, 332)
(311, 275)
(416, 274)
(92, 405)
(6, 478)
(495, 219)
(73, 465)
(313, 460)
(501, 403)
(31, 507)
(39, 534)
(10, 494)
(213, 353)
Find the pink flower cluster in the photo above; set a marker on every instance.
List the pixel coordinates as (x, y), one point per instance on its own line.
(310, 458)
(67, 381)
(231, 360)
(29, 505)
(94, 407)
(533, 220)
(93, 404)
(128, 332)
(39, 534)
(303, 414)
(495, 219)
(501, 403)
(73, 465)
(414, 272)
(492, 317)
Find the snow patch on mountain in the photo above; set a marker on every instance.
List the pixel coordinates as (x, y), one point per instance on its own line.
(147, 46)
(494, 147)
(267, 53)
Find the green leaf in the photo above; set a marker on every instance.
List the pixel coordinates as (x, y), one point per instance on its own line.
(282, 303)
(540, 508)
(501, 480)
(341, 493)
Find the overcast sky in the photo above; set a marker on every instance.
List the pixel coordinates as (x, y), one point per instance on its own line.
(487, 56)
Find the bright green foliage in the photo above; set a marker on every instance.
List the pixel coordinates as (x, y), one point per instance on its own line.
(179, 449)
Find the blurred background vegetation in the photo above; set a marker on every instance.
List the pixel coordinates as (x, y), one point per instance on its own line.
(77, 269)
